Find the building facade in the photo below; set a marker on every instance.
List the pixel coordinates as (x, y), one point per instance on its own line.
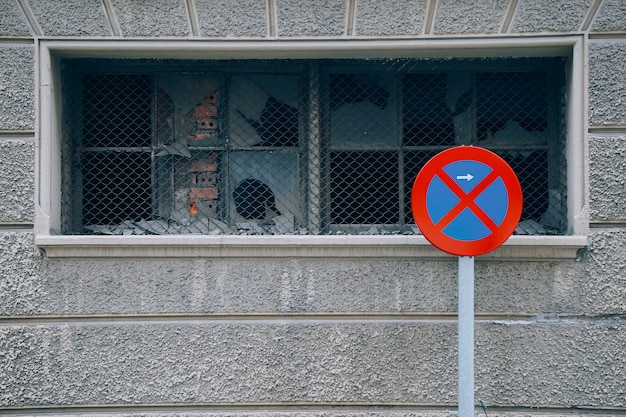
(137, 279)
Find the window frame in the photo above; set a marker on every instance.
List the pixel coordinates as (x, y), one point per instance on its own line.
(49, 136)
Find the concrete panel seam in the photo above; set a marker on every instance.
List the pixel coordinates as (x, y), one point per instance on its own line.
(17, 134)
(272, 23)
(33, 25)
(608, 224)
(192, 15)
(111, 18)
(243, 319)
(350, 16)
(313, 409)
(431, 6)
(16, 41)
(310, 318)
(591, 15)
(607, 35)
(607, 130)
(508, 17)
(16, 227)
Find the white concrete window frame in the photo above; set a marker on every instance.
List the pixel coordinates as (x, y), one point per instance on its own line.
(48, 151)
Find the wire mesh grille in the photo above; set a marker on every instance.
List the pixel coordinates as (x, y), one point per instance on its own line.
(116, 187)
(364, 188)
(301, 147)
(116, 110)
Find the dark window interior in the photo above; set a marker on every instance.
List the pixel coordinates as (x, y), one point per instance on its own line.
(299, 146)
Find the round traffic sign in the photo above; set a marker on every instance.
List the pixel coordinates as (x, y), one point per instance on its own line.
(466, 201)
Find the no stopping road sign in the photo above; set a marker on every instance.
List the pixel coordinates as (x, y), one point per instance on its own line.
(466, 201)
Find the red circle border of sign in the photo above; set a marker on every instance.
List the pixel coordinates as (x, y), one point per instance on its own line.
(458, 247)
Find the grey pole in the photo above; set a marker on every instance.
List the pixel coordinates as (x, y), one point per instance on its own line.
(466, 336)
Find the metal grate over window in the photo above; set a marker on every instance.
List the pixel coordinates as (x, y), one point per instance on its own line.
(299, 146)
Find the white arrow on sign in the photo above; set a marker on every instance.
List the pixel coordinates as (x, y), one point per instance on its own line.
(467, 177)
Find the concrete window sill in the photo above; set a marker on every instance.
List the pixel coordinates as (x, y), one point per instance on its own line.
(527, 248)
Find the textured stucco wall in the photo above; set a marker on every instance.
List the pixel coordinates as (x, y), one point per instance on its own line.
(232, 18)
(17, 177)
(611, 16)
(607, 90)
(298, 337)
(149, 18)
(381, 361)
(71, 17)
(17, 87)
(11, 20)
(458, 16)
(311, 17)
(401, 17)
(550, 15)
(608, 183)
(122, 325)
(298, 286)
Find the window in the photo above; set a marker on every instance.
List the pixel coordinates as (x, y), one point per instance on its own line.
(306, 147)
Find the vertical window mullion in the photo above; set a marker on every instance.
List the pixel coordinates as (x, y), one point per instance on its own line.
(314, 150)
(460, 88)
(402, 203)
(225, 183)
(74, 175)
(153, 170)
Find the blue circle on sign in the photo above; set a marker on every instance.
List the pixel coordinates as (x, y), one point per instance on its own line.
(441, 199)
(494, 201)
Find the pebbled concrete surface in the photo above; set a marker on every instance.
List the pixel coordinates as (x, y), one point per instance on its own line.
(555, 362)
(12, 21)
(21, 287)
(605, 288)
(294, 287)
(611, 16)
(549, 15)
(17, 85)
(17, 166)
(225, 362)
(232, 18)
(165, 18)
(607, 90)
(327, 361)
(607, 183)
(392, 17)
(461, 16)
(311, 17)
(71, 17)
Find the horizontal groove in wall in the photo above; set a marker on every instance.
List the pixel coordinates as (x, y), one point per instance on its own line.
(608, 224)
(31, 40)
(608, 129)
(17, 40)
(21, 134)
(303, 408)
(307, 318)
(607, 35)
(16, 227)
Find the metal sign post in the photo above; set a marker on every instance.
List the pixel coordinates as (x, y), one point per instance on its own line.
(466, 201)
(466, 336)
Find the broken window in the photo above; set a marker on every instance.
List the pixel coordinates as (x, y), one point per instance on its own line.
(299, 146)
